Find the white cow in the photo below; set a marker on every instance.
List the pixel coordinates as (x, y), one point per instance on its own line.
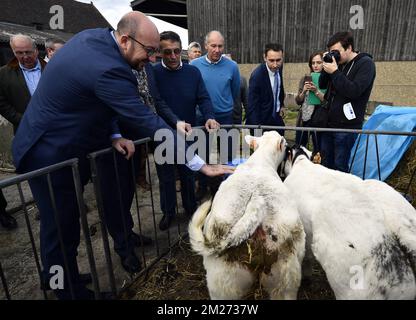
(251, 232)
(363, 233)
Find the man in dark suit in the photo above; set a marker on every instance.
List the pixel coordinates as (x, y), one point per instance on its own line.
(266, 94)
(18, 81)
(70, 116)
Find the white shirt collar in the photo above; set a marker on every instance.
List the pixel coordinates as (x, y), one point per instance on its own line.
(271, 73)
(115, 40)
(166, 67)
(210, 62)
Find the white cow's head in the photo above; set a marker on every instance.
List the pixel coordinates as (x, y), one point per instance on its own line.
(270, 139)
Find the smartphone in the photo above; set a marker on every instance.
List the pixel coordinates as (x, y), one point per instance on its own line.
(308, 79)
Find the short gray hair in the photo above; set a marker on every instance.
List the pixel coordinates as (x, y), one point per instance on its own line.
(22, 36)
(194, 45)
(50, 42)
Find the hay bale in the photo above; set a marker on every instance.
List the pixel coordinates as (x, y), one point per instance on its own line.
(401, 176)
(181, 276)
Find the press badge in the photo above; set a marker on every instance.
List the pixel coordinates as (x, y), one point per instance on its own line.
(349, 111)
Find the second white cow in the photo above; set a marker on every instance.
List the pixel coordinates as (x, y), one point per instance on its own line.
(363, 233)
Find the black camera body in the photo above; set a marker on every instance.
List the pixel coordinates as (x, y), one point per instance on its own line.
(333, 53)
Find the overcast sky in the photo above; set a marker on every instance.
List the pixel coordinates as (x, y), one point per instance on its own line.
(114, 10)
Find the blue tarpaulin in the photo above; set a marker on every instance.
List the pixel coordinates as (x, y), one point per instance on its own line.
(390, 148)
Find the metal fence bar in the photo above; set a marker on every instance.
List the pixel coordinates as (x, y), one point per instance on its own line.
(152, 201)
(367, 141)
(85, 229)
(291, 128)
(61, 240)
(104, 234)
(17, 180)
(97, 188)
(122, 205)
(355, 153)
(136, 200)
(36, 173)
(20, 207)
(378, 158)
(4, 283)
(32, 240)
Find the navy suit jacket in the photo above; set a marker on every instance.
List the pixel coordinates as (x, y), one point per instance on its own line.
(85, 85)
(260, 109)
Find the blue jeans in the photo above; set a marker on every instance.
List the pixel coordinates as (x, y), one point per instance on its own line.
(336, 149)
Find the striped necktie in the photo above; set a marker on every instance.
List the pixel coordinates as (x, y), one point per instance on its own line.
(276, 91)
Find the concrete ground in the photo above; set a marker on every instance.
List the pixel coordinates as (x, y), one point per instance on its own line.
(17, 257)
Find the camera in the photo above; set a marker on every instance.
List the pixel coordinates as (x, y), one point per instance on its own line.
(333, 53)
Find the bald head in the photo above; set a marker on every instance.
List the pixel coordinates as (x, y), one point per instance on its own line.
(214, 35)
(214, 44)
(136, 24)
(138, 38)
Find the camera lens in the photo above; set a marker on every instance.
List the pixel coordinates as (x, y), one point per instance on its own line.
(328, 57)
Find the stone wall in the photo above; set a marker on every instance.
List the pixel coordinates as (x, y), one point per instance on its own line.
(6, 135)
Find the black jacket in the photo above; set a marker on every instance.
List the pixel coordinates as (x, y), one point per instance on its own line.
(350, 83)
(14, 93)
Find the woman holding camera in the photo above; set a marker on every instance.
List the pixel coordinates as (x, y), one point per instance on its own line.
(309, 98)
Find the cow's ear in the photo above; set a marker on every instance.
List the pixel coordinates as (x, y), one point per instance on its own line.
(281, 145)
(252, 141)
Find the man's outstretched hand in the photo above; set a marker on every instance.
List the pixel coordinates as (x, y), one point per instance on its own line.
(214, 170)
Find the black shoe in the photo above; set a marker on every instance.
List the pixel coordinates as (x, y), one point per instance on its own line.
(84, 278)
(131, 263)
(201, 193)
(139, 240)
(166, 221)
(7, 221)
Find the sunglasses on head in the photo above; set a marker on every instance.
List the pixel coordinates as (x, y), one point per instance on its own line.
(168, 52)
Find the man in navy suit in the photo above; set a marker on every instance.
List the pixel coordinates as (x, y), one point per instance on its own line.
(266, 94)
(70, 116)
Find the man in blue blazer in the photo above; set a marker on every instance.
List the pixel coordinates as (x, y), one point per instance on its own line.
(87, 83)
(266, 94)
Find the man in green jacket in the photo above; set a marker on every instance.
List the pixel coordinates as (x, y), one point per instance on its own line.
(18, 80)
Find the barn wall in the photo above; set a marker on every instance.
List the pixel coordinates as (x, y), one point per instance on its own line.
(303, 26)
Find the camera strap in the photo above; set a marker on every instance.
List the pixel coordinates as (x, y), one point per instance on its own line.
(349, 70)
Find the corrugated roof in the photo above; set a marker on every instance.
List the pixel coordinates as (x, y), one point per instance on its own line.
(9, 29)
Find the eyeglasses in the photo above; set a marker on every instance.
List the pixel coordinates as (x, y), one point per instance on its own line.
(150, 51)
(168, 52)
